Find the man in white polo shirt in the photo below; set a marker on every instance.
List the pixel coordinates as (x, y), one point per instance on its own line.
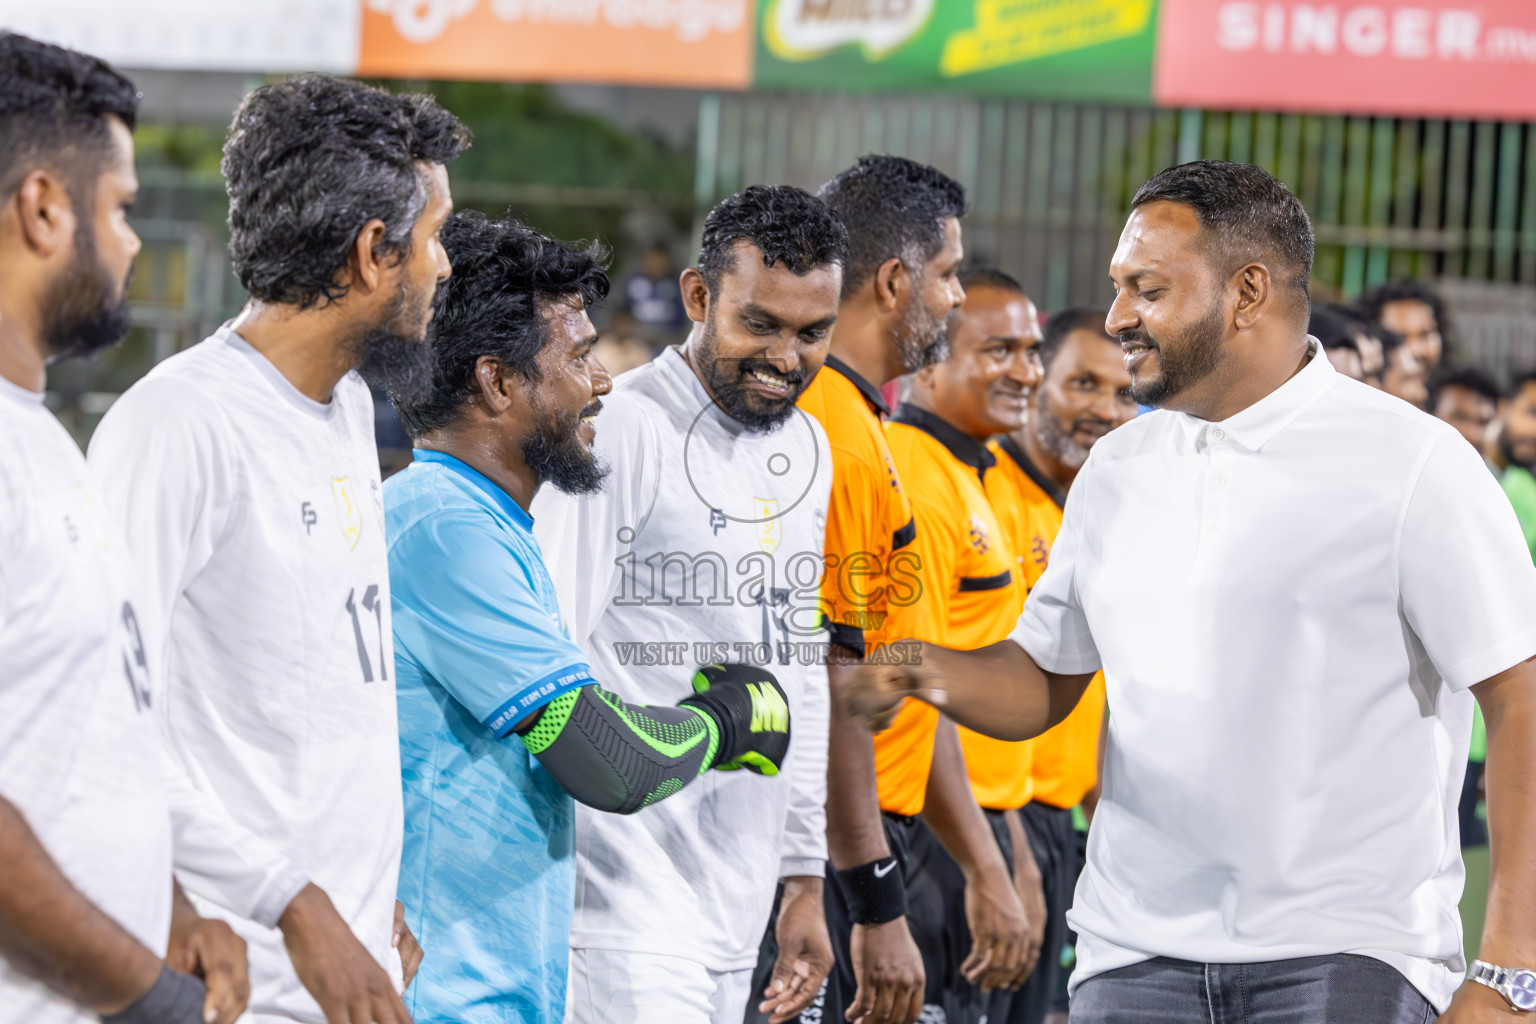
(1292, 582)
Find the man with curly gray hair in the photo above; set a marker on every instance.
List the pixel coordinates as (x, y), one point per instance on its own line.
(246, 474)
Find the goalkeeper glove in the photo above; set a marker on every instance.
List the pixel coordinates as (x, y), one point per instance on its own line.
(752, 712)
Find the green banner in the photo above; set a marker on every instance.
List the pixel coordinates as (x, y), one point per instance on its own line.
(1089, 50)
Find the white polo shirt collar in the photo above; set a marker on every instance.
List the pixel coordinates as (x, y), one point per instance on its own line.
(1254, 427)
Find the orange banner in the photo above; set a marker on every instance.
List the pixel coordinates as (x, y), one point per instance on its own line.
(697, 43)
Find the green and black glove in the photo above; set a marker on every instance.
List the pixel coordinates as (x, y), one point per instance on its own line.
(753, 714)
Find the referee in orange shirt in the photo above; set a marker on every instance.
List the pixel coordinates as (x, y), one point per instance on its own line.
(900, 287)
(973, 592)
(1084, 394)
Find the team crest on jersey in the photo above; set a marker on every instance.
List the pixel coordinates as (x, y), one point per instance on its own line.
(348, 513)
(978, 535)
(769, 533)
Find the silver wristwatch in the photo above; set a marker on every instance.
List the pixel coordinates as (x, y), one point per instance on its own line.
(1515, 984)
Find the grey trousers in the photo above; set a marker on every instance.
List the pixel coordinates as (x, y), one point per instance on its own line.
(1342, 989)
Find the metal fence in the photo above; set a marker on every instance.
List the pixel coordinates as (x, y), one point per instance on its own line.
(1050, 185)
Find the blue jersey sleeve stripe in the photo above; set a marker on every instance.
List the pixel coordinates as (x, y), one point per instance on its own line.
(535, 696)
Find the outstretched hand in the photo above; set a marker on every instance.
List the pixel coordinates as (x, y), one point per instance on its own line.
(872, 694)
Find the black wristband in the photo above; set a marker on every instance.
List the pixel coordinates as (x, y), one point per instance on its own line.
(174, 998)
(875, 892)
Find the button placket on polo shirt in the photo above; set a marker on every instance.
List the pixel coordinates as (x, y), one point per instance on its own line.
(1217, 451)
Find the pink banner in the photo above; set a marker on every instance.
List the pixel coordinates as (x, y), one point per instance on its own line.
(1440, 58)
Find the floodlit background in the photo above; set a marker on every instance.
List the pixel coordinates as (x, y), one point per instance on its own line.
(1402, 128)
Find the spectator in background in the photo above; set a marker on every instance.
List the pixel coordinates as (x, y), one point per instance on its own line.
(1337, 335)
(1372, 357)
(653, 298)
(1414, 312)
(1513, 452)
(1467, 399)
(1403, 374)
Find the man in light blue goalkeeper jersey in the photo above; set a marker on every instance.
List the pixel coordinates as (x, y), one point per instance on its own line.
(501, 721)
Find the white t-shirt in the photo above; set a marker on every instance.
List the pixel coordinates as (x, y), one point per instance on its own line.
(79, 752)
(256, 514)
(1289, 606)
(705, 540)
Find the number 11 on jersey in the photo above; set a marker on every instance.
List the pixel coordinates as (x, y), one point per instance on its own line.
(370, 603)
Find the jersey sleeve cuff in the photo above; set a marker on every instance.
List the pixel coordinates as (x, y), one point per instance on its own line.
(851, 637)
(534, 696)
(797, 867)
(1046, 651)
(1489, 663)
(279, 892)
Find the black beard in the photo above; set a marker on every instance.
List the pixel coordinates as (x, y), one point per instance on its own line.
(83, 313)
(393, 361)
(556, 453)
(725, 380)
(1195, 357)
(1054, 438)
(922, 340)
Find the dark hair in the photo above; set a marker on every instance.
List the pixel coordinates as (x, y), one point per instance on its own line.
(893, 207)
(54, 105)
(503, 270)
(1521, 381)
(1402, 290)
(787, 225)
(1390, 340)
(989, 277)
(1060, 324)
(1333, 329)
(1471, 379)
(1250, 212)
(308, 162)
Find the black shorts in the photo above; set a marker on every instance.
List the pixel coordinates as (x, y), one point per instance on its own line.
(1054, 843)
(935, 915)
(936, 918)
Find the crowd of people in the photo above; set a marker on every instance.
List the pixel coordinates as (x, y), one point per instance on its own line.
(734, 690)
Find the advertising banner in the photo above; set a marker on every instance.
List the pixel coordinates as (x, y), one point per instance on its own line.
(700, 43)
(1416, 58)
(1060, 49)
(1430, 58)
(213, 35)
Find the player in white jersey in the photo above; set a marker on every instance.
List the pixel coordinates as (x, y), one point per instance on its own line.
(246, 474)
(706, 545)
(88, 908)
